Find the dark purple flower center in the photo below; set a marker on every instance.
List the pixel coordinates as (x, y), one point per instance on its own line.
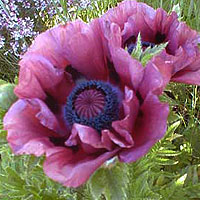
(89, 103)
(93, 103)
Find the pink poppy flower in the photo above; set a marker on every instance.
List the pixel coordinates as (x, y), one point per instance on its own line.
(120, 27)
(77, 110)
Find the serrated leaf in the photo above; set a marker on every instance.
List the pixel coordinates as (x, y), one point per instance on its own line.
(140, 188)
(145, 56)
(173, 192)
(137, 51)
(7, 96)
(166, 152)
(165, 161)
(171, 129)
(151, 52)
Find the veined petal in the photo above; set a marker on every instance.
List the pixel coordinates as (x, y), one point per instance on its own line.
(84, 50)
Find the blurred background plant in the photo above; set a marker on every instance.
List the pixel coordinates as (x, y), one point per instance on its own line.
(170, 171)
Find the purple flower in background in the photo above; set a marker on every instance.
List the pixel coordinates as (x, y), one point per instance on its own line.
(120, 27)
(77, 110)
(22, 20)
(2, 41)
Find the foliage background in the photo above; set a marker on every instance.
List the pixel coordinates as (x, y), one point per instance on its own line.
(171, 170)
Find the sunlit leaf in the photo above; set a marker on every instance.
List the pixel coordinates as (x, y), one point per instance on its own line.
(7, 96)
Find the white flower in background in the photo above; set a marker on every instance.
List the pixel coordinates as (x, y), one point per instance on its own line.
(2, 41)
(22, 20)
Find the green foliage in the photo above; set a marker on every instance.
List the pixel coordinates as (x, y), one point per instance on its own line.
(22, 178)
(137, 51)
(8, 66)
(145, 55)
(110, 182)
(151, 52)
(176, 8)
(93, 10)
(7, 96)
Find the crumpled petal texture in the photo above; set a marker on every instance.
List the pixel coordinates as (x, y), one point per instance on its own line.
(26, 121)
(120, 27)
(36, 123)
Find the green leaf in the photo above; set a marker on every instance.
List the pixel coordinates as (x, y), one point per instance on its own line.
(22, 176)
(177, 9)
(145, 56)
(137, 51)
(161, 180)
(3, 137)
(2, 82)
(111, 182)
(97, 183)
(7, 96)
(14, 177)
(195, 140)
(165, 161)
(167, 152)
(171, 129)
(192, 176)
(140, 187)
(151, 52)
(193, 191)
(116, 182)
(172, 191)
